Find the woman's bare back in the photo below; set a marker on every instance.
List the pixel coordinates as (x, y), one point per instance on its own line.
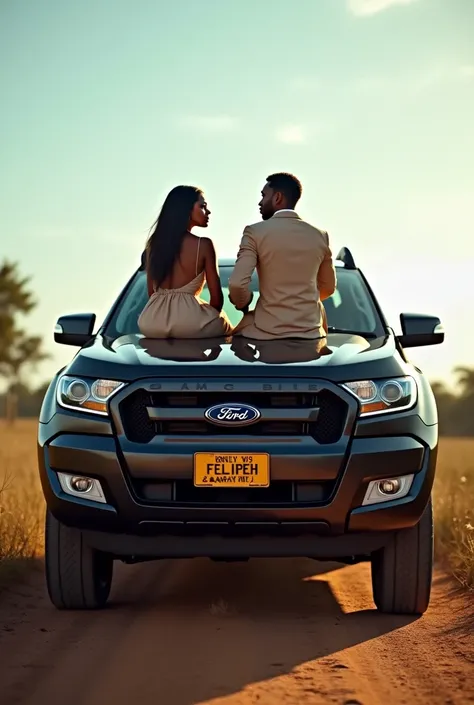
(197, 257)
(190, 263)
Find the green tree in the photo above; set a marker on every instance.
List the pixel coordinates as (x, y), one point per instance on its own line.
(456, 408)
(446, 403)
(19, 351)
(465, 377)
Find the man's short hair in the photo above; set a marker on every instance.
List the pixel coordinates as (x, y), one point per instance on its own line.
(288, 185)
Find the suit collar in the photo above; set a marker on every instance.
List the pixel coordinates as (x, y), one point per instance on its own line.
(286, 213)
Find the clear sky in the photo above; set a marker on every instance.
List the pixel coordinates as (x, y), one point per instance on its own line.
(107, 104)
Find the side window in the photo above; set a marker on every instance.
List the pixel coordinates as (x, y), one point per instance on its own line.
(350, 306)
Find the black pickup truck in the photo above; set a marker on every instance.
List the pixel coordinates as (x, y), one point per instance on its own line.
(234, 449)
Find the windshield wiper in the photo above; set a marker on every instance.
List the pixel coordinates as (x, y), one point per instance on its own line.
(347, 331)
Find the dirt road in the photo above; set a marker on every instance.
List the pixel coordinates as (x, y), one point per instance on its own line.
(266, 632)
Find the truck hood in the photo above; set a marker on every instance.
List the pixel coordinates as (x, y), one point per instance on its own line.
(339, 357)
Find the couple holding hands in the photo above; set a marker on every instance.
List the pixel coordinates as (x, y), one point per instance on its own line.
(293, 260)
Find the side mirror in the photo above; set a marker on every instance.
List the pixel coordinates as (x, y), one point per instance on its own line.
(419, 330)
(76, 329)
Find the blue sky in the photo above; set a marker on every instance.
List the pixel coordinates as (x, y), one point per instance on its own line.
(106, 105)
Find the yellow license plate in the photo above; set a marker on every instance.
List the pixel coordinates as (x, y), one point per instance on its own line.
(231, 470)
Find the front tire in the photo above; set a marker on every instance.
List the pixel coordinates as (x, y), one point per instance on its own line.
(402, 571)
(78, 577)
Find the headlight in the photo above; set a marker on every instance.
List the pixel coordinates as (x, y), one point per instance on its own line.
(381, 396)
(86, 395)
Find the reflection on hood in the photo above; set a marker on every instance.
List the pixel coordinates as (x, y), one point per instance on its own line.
(268, 352)
(279, 352)
(183, 350)
(271, 352)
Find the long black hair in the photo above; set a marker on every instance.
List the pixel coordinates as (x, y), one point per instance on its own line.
(164, 244)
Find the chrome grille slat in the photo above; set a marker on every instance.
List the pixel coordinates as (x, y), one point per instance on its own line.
(163, 413)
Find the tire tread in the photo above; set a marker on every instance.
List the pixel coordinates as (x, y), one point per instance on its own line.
(402, 571)
(71, 568)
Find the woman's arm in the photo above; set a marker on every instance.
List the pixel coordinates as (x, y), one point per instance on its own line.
(212, 275)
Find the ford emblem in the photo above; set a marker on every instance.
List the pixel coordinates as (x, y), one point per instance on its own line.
(232, 414)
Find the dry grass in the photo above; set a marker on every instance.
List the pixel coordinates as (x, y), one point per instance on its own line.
(22, 506)
(454, 508)
(21, 499)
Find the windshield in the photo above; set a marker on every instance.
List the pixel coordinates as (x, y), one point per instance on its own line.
(350, 308)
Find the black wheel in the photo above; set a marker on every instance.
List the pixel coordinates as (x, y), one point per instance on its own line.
(402, 572)
(77, 576)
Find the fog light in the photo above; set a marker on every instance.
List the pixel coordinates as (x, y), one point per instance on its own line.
(389, 486)
(388, 489)
(82, 486)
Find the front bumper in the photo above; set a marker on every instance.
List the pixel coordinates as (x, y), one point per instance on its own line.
(129, 525)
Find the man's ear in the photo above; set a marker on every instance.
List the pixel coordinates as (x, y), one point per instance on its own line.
(278, 198)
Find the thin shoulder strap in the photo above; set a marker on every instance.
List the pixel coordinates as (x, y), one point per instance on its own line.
(197, 255)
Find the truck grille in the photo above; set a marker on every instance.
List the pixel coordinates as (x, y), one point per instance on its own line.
(139, 428)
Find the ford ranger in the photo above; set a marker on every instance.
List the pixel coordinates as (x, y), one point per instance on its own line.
(236, 449)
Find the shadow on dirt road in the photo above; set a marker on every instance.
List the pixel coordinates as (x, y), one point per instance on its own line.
(188, 632)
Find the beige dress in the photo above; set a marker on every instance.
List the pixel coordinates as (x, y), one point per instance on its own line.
(181, 313)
